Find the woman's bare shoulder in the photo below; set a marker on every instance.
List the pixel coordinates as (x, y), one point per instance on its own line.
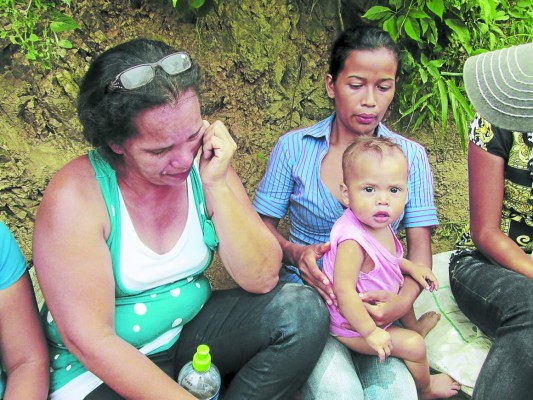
(77, 176)
(79, 166)
(74, 189)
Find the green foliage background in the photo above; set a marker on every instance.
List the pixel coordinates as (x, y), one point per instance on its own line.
(263, 63)
(36, 26)
(438, 36)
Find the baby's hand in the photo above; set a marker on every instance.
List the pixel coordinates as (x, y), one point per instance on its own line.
(423, 275)
(426, 278)
(380, 341)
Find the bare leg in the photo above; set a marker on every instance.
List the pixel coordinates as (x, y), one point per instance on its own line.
(409, 346)
(424, 324)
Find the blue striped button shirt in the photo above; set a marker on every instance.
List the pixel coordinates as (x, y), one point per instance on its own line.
(292, 181)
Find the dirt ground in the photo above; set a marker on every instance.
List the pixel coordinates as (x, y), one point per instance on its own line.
(263, 64)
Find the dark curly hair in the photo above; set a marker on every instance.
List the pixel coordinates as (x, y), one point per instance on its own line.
(108, 116)
(360, 37)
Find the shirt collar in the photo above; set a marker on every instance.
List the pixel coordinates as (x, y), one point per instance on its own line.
(323, 129)
(383, 130)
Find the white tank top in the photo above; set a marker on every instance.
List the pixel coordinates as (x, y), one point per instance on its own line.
(142, 268)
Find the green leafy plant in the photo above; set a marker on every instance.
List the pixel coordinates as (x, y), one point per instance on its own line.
(36, 26)
(191, 3)
(439, 35)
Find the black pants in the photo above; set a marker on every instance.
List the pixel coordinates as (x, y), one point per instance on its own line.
(269, 342)
(500, 302)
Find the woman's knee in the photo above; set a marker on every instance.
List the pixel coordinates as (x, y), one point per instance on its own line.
(305, 303)
(301, 313)
(496, 299)
(518, 315)
(334, 376)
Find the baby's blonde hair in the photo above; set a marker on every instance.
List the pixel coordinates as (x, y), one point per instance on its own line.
(379, 146)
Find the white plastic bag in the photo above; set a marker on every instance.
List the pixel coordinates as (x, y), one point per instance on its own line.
(455, 346)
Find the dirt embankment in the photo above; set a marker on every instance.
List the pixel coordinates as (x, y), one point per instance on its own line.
(263, 62)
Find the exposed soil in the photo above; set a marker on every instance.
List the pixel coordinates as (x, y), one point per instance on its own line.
(263, 62)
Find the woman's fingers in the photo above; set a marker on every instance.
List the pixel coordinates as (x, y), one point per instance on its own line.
(217, 141)
(218, 148)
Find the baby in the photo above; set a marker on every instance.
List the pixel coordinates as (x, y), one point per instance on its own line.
(366, 255)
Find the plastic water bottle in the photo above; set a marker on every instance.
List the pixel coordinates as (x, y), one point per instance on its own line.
(200, 377)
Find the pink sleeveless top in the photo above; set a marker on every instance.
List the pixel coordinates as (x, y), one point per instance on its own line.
(386, 274)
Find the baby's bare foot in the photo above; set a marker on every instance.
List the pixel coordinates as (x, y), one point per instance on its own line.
(427, 322)
(441, 386)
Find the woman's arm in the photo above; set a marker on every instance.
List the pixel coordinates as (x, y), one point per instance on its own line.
(418, 238)
(247, 248)
(73, 265)
(22, 343)
(418, 252)
(486, 182)
(273, 198)
(304, 258)
(419, 245)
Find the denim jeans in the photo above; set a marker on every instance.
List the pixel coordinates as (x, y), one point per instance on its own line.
(341, 374)
(269, 342)
(500, 303)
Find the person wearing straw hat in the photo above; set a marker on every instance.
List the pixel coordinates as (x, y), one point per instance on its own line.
(491, 275)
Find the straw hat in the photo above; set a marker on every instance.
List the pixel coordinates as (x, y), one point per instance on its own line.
(500, 86)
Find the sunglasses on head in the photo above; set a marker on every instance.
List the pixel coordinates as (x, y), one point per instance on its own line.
(142, 74)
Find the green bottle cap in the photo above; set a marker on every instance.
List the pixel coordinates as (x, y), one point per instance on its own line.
(201, 361)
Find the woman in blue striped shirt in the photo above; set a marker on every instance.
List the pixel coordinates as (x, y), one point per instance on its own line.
(303, 177)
